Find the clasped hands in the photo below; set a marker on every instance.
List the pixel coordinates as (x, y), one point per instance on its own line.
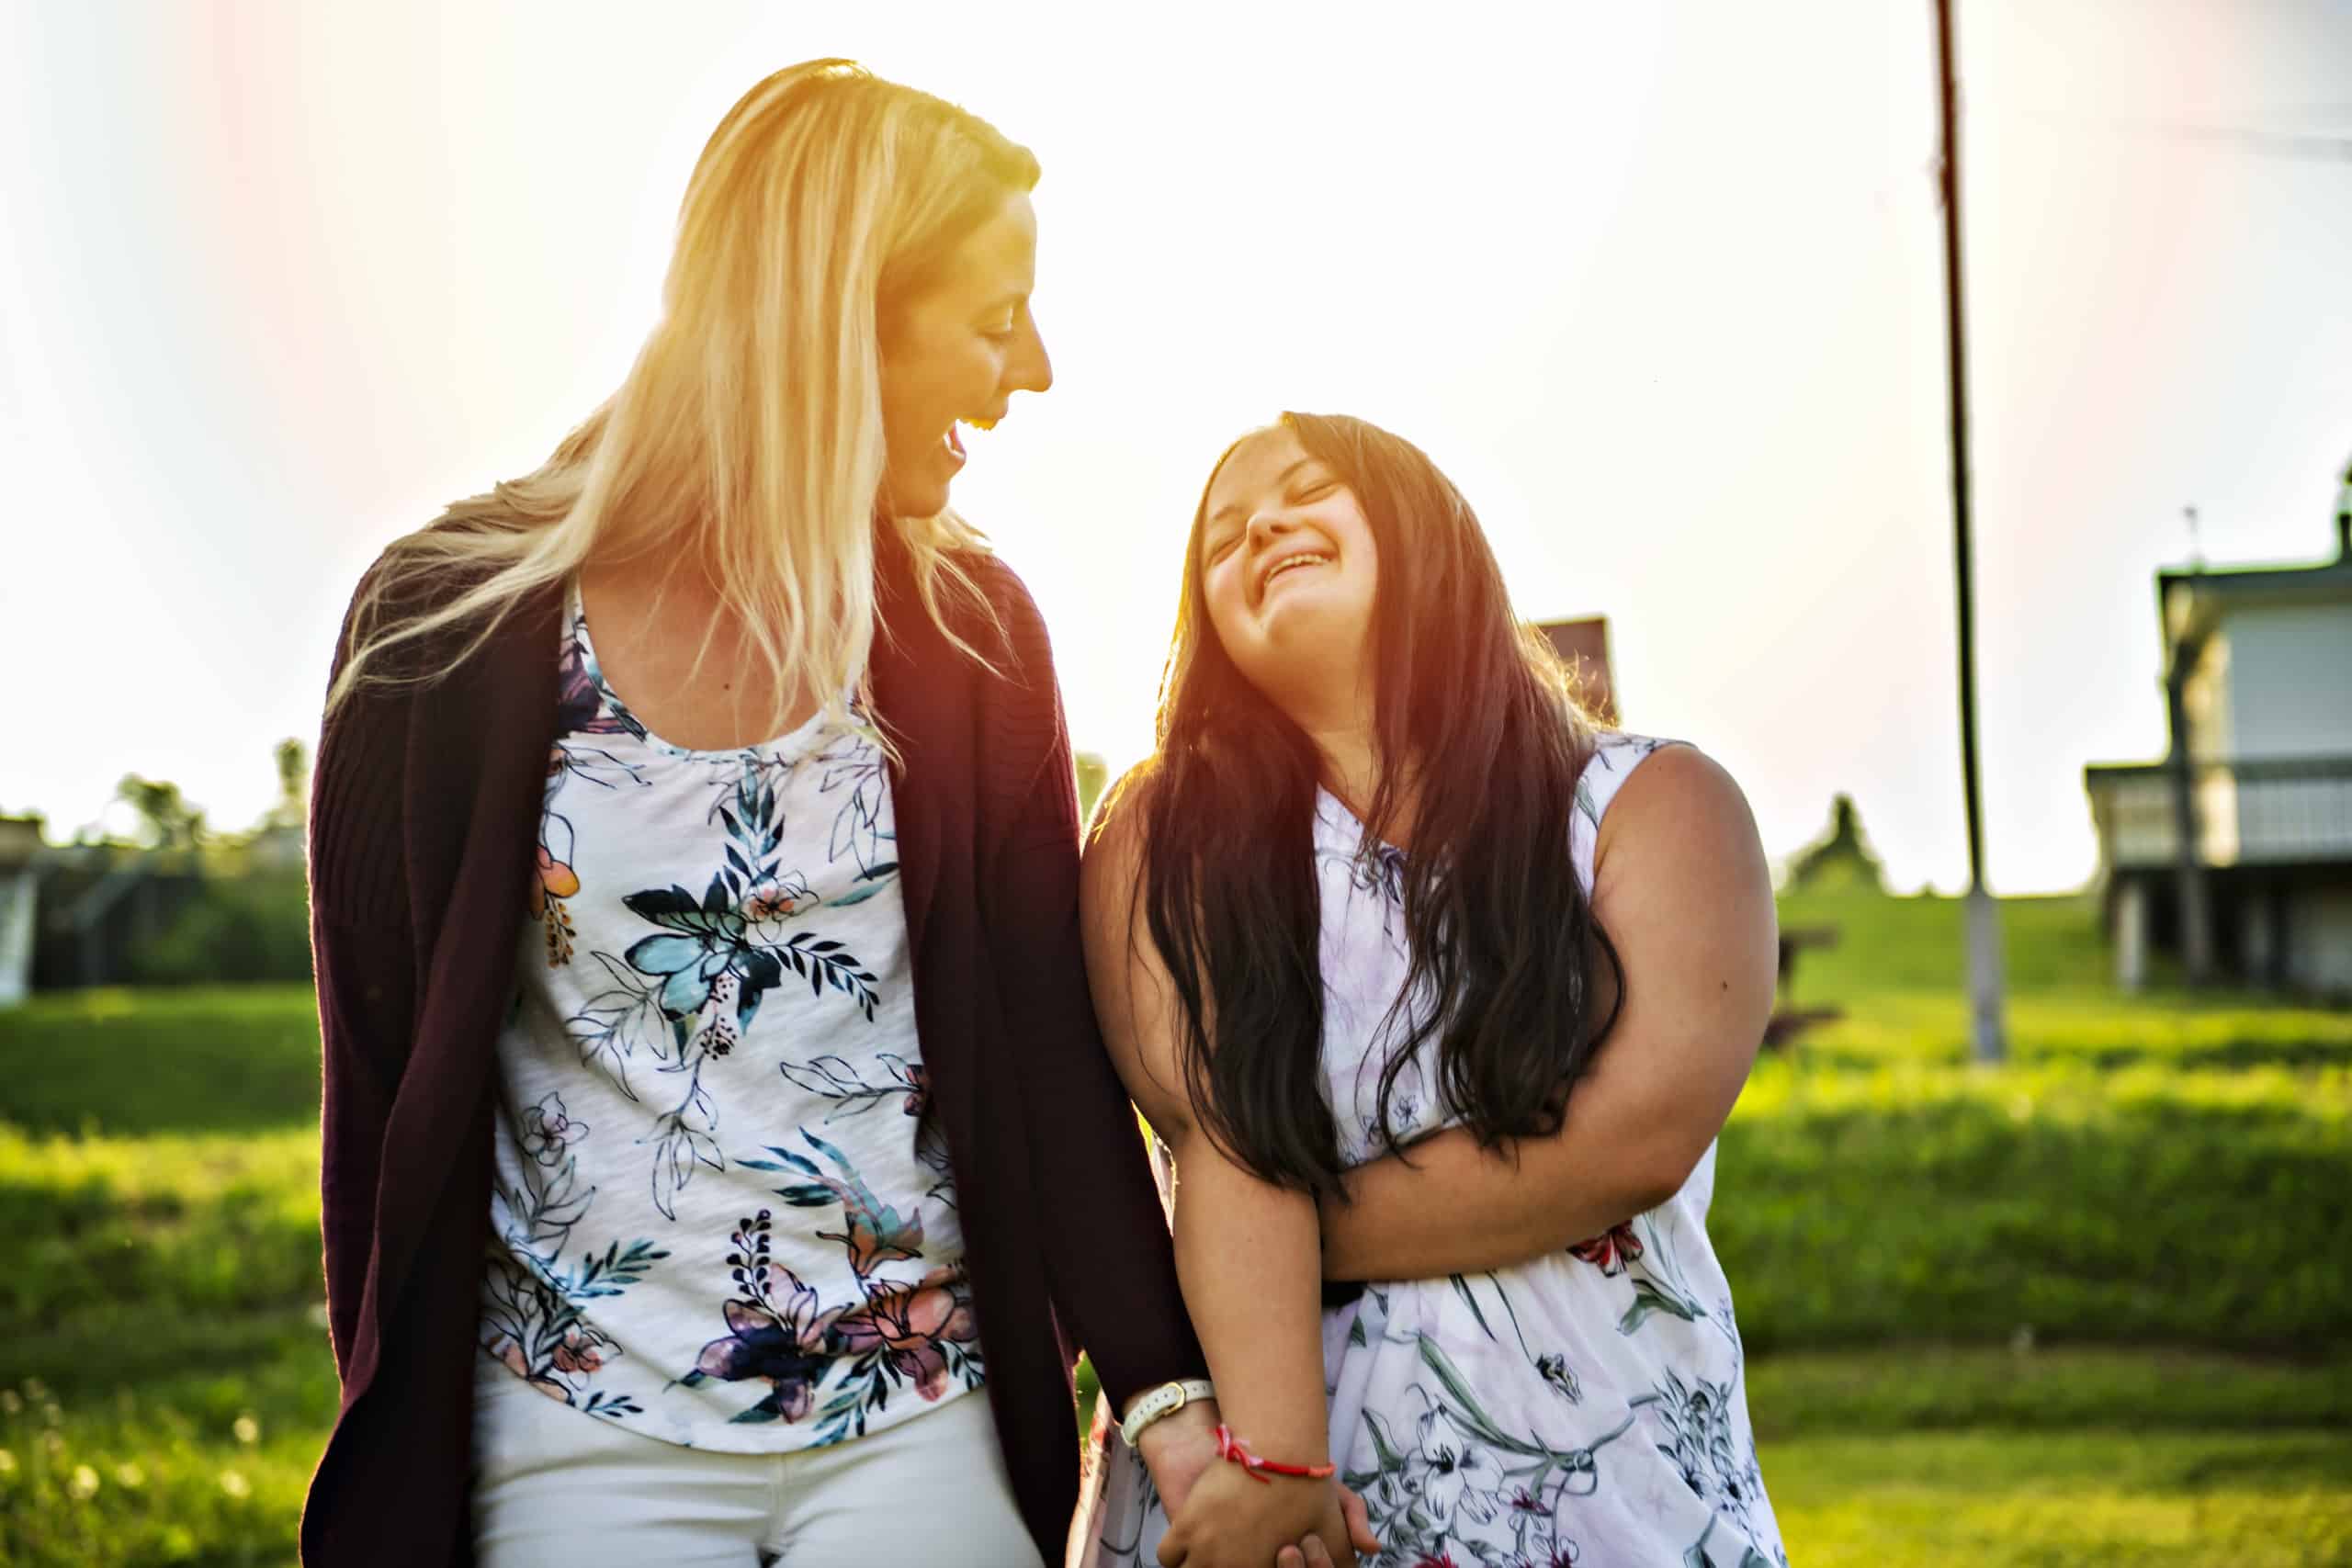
(1221, 1517)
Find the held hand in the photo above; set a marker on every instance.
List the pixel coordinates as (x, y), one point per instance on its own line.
(1177, 1449)
(1312, 1553)
(1233, 1520)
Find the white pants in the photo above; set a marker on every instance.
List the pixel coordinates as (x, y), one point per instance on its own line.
(554, 1487)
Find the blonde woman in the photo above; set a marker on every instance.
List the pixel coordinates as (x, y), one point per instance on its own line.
(723, 1166)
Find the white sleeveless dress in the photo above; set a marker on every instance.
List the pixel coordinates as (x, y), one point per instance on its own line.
(1583, 1408)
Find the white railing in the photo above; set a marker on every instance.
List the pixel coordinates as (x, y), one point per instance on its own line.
(2266, 813)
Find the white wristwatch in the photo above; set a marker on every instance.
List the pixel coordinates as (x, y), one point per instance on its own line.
(1165, 1399)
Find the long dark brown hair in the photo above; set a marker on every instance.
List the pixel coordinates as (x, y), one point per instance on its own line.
(1510, 973)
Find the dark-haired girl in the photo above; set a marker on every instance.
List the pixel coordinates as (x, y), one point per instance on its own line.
(1438, 995)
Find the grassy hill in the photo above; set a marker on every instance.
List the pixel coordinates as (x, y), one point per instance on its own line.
(2088, 1307)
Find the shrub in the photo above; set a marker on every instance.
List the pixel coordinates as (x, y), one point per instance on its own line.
(2143, 1204)
(199, 1059)
(246, 929)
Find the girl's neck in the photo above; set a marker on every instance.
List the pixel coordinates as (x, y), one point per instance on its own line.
(1351, 770)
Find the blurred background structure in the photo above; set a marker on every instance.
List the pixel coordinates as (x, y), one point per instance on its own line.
(2233, 854)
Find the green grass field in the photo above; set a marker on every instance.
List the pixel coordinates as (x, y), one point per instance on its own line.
(2086, 1308)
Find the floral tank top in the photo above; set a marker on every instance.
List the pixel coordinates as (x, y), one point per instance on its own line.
(720, 1216)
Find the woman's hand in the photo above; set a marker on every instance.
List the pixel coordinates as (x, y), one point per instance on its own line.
(1232, 1519)
(1313, 1554)
(1177, 1449)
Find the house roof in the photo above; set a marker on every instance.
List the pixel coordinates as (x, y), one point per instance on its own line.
(2187, 595)
(2322, 576)
(2188, 600)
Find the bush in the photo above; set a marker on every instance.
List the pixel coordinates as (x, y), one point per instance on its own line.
(2085, 1028)
(201, 1059)
(2139, 1204)
(248, 929)
(108, 1232)
(2089, 1498)
(148, 1475)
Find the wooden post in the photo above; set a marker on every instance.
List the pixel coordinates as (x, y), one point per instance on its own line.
(2188, 874)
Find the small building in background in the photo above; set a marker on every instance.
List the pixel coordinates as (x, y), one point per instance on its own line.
(2234, 854)
(77, 914)
(1583, 645)
(20, 841)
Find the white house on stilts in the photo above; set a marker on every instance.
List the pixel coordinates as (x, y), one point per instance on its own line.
(2234, 854)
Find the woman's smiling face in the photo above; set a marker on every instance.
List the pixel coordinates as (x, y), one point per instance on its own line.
(1288, 569)
(957, 353)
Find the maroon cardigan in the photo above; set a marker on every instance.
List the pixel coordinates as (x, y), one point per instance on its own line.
(423, 819)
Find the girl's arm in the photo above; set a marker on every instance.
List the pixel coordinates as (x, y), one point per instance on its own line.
(1246, 1251)
(1681, 888)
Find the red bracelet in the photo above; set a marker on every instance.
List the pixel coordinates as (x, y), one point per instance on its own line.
(1229, 1447)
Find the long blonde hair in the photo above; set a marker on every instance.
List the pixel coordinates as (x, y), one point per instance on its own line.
(748, 432)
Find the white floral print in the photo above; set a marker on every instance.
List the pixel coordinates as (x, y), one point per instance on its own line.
(720, 1212)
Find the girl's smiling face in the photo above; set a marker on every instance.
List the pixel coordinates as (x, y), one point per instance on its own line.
(1289, 571)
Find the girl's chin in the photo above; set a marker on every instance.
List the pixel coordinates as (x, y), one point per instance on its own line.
(1319, 654)
(1306, 614)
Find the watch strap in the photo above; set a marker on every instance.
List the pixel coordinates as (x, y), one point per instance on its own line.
(1163, 1402)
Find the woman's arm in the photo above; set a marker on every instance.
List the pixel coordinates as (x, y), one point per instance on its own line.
(1246, 1250)
(363, 965)
(1681, 888)
(365, 977)
(1105, 1240)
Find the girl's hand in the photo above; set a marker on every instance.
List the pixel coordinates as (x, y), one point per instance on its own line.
(1231, 1520)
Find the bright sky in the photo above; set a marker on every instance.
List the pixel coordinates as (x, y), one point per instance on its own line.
(1659, 286)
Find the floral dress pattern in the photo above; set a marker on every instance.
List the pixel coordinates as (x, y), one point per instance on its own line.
(1583, 1408)
(721, 1216)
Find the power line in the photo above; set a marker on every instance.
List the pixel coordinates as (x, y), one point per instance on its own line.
(2317, 146)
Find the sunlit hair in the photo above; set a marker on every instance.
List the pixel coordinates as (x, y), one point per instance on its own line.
(1479, 738)
(747, 436)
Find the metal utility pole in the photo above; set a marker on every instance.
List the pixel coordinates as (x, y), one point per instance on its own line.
(1984, 914)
